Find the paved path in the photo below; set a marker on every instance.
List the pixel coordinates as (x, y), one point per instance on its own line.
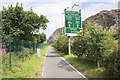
(56, 67)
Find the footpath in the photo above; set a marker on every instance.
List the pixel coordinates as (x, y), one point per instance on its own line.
(57, 67)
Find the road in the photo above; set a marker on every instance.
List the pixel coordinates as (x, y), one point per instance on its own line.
(56, 67)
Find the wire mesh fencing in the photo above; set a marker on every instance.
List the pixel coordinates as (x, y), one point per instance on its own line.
(20, 49)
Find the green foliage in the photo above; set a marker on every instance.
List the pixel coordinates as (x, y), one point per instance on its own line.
(61, 44)
(97, 45)
(88, 67)
(42, 37)
(112, 63)
(22, 24)
(12, 20)
(5, 61)
(78, 44)
(31, 68)
(26, 51)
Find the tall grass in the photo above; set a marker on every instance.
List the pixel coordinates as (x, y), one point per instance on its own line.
(30, 68)
(87, 67)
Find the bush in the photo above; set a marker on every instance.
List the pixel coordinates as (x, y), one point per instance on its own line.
(61, 44)
(99, 45)
(79, 46)
(112, 63)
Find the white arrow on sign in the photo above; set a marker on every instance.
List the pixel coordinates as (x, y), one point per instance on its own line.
(69, 25)
(77, 25)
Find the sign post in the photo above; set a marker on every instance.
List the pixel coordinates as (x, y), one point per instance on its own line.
(69, 48)
(73, 24)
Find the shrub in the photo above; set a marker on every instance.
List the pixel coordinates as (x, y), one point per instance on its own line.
(61, 44)
(112, 63)
(97, 44)
(79, 46)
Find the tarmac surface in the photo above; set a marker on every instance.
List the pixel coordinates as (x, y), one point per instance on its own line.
(56, 67)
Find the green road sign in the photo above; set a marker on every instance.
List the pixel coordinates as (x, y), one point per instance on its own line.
(72, 21)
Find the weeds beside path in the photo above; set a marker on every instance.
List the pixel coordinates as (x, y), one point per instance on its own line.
(31, 68)
(88, 68)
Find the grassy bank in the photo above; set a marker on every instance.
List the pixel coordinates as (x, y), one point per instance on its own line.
(87, 68)
(30, 68)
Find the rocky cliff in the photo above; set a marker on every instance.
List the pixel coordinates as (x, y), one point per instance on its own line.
(55, 34)
(105, 18)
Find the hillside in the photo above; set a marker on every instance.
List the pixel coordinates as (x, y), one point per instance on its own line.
(53, 37)
(105, 18)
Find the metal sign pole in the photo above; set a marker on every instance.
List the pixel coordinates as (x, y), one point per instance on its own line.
(69, 46)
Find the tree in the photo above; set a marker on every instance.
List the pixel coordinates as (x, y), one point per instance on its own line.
(95, 43)
(42, 37)
(21, 24)
(12, 20)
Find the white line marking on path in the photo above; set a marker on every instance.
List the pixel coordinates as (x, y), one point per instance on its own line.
(73, 68)
(68, 64)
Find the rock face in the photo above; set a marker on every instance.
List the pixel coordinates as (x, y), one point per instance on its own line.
(105, 18)
(55, 34)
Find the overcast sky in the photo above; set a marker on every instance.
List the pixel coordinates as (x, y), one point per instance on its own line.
(53, 9)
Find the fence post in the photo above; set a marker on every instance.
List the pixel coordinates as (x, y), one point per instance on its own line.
(30, 49)
(10, 61)
(22, 52)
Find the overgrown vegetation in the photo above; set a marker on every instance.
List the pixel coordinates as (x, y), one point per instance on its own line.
(30, 68)
(88, 68)
(97, 45)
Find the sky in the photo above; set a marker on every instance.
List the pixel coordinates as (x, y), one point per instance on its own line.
(54, 9)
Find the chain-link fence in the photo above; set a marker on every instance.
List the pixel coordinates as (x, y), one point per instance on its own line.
(21, 49)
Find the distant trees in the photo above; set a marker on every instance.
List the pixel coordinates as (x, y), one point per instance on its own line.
(42, 37)
(22, 24)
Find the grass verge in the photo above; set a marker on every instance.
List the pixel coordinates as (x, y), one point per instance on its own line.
(88, 68)
(31, 68)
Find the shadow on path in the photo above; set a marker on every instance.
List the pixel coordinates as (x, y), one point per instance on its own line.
(62, 64)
